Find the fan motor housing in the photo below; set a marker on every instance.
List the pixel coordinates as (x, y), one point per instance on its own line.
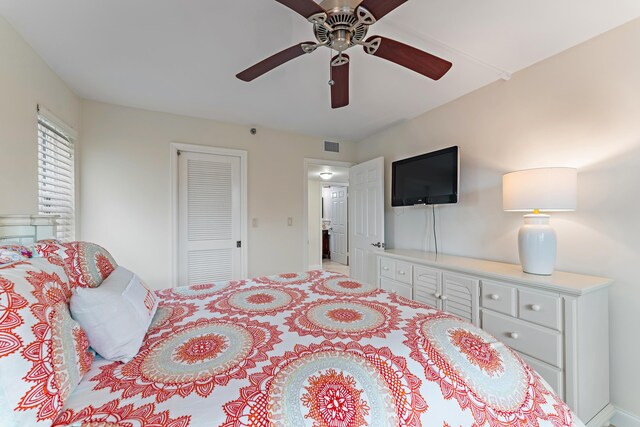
(347, 30)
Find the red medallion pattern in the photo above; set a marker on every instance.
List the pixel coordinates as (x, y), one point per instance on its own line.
(52, 372)
(201, 348)
(333, 353)
(334, 401)
(86, 264)
(111, 414)
(169, 314)
(453, 384)
(44, 395)
(10, 304)
(192, 358)
(344, 315)
(330, 393)
(478, 352)
(290, 278)
(344, 318)
(105, 265)
(342, 286)
(199, 292)
(258, 300)
(49, 250)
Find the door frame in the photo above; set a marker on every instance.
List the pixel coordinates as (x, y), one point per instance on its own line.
(305, 209)
(174, 147)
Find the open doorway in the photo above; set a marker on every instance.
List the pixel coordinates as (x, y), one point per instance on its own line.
(327, 228)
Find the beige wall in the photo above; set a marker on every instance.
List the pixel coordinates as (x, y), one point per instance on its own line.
(124, 169)
(25, 81)
(581, 109)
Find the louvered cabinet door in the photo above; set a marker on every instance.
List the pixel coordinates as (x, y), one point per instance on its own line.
(427, 286)
(209, 218)
(460, 296)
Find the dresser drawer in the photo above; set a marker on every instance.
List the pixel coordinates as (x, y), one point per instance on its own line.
(426, 282)
(499, 297)
(541, 343)
(387, 268)
(401, 289)
(553, 376)
(543, 309)
(404, 272)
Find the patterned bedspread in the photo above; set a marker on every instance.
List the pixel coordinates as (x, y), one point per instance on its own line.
(311, 349)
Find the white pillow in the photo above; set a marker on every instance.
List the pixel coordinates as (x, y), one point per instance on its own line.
(115, 315)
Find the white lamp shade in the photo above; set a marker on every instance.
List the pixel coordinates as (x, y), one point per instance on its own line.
(546, 189)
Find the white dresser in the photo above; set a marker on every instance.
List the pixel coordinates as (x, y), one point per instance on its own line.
(559, 324)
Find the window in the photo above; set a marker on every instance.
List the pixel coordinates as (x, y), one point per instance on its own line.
(56, 173)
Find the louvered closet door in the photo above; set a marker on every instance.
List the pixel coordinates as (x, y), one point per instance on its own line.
(209, 218)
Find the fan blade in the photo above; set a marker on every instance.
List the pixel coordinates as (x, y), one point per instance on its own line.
(379, 8)
(340, 86)
(306, 8)
(409, 57)
(274, 61)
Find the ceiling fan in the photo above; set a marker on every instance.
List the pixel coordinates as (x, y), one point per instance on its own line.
(341, 25)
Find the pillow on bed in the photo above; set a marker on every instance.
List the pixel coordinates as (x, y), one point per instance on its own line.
(115, 315)
(87, 264)
(13, 253)
(43, 351)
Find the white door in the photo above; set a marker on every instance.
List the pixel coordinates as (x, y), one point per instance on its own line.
(338, 230)
(209, 227)
(366, 211)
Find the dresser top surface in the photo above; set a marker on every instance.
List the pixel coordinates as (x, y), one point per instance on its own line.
(570, 283)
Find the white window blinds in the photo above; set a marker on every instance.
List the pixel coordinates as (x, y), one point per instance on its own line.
(56, 175)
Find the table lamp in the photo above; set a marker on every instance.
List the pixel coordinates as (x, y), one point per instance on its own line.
(536, 190)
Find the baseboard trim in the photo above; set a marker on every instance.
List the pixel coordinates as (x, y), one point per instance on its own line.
(315, 267)
(603, 417)
(623, 418)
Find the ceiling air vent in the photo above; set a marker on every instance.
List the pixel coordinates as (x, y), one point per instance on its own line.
(333, 147)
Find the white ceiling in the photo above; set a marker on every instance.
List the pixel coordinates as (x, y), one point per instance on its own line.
(182, 57)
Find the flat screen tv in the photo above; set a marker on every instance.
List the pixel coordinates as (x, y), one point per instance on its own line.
(430, 179)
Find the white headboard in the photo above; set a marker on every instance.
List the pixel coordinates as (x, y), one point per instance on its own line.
(24, 229)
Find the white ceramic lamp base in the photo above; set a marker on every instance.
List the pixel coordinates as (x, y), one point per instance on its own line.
(537, 245)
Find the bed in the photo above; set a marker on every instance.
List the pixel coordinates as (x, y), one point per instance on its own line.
(301, 349)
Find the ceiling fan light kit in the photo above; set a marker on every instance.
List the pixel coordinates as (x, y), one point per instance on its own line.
(340, 25)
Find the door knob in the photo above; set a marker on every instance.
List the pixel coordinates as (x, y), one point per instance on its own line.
(443, 297)
(378, 245)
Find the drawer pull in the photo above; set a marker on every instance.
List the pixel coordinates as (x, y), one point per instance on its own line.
(514, 335)
(494, 297)
(536, 307)
(402, 273)
(385, 268)
(437, 295)
(443, 297)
